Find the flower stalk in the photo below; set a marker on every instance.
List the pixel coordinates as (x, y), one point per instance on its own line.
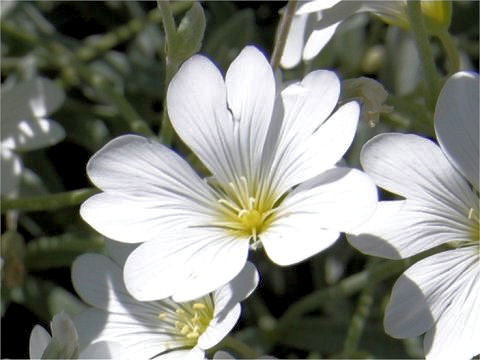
(417, 24)
(358, 322)
(47, 202)
(451, 51)
(166, 130)
(282, 33)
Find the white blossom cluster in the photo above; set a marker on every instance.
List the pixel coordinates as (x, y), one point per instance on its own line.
(176, 267)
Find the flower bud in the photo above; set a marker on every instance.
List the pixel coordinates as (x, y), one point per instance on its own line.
(371, 94)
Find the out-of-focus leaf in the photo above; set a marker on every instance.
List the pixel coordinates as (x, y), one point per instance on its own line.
(86, 131)
(31, 184)
(52, 252)
(414, 115)
(39, 162)
(112, 68)
(315, 334)
(45, 299)
(326, 336)
(224, 44)
(349, 44)
(146, 76)
(60, 300)
(220, 11)
(190, 33)
(149, 41)
(402, 70)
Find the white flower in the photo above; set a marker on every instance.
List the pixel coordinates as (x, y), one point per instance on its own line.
(439, 295)
(24, 126)
(274, 179)
(316, 21)
(63, 344)
(154, 329)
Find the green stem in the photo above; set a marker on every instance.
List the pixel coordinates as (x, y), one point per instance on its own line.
(13, 31)
(282, 33)
(238, 347)
(346, 287)
(48, 202)
(451, 51)
(359, 319)
(265, 320)
(419, 29)
(166, 129)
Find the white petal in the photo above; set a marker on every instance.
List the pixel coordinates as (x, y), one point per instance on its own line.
(317, 41)
(192, 354)
(307, 105)
(150, 191)
(188, 265)
(312, 216)
(455, 335)
(292, 53)
(416, 168)
(23, 110)
(332, 140)
(31, 99)
(250, 94)
(457, 123)
(427, 289)
(118, 252)
(241, 286)
(11, 170)
(219, 327)
(99, 282)
(103, 350)
(139, 167)
(399, 229)
(339, 199)
(142, 338)
(197, 107)
(39, 340)
(316, 5)
(32, 134)
(292, 240)
(64, 335)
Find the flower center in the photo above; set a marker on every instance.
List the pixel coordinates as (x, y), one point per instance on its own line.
(244, 209)
(188, 321)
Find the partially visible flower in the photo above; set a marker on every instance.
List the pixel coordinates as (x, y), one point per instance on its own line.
(63, 343)
(274, 181)
(439, 295)
(316, 21)
(154, 329)
(371, 94)
(24, 126)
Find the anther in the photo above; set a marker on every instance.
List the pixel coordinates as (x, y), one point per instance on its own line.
(470, 213)
(199, 306)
